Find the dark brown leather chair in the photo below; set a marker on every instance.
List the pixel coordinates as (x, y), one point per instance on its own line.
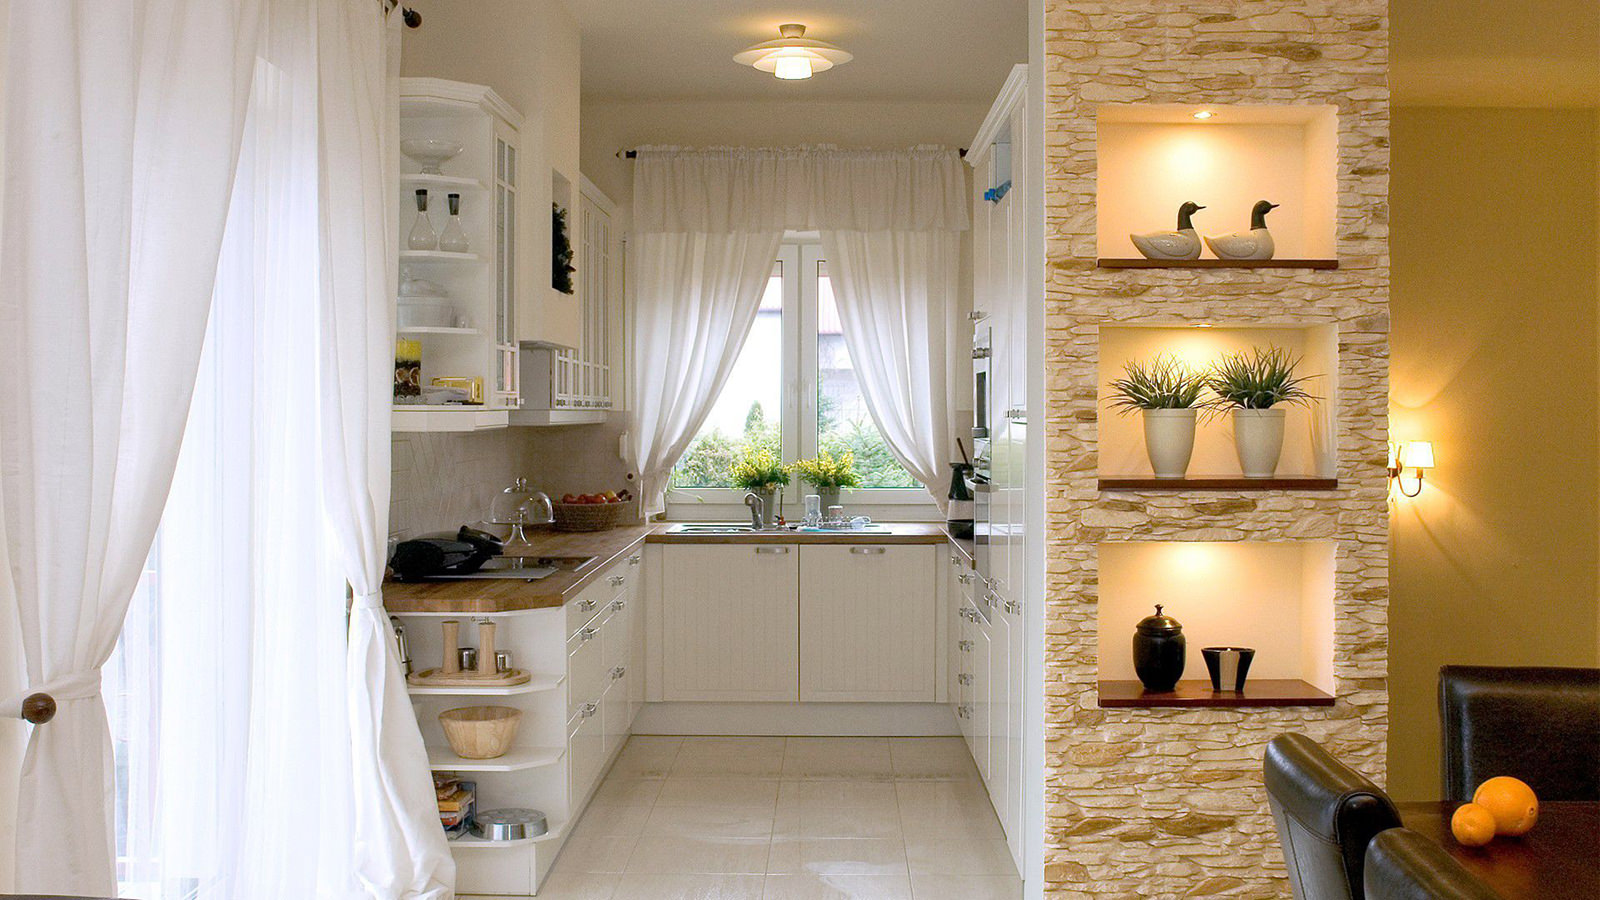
(1326, 814)
(1539, 724)
(1404, 865)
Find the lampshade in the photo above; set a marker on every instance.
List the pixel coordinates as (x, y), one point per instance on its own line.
(1418, 455)
(793, 56)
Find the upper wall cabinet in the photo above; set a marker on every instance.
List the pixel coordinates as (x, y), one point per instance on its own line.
(1153, 158)
(460, 213)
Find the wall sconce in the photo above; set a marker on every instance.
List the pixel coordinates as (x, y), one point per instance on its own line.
(1414, 455)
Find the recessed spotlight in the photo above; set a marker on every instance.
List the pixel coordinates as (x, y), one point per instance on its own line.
(1204, 114)
(1202, 324)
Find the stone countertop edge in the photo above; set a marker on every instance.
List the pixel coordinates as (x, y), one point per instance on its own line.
(484, 596)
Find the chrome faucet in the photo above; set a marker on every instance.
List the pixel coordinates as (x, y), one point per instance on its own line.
(757, 510)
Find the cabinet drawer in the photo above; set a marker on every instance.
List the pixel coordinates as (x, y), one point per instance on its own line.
(586, 666)
(616, 580)
(586, 750)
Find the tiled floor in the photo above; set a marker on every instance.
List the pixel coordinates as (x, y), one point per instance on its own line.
(741, 818)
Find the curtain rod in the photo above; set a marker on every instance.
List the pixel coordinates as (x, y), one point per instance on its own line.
(634, 154)
(412, 18)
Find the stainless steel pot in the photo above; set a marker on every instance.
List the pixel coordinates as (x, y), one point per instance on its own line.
(512, 824)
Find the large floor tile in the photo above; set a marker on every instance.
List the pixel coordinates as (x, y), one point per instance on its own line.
(959, 857)
(593, 852)
(711, 821)
(837, 887)
(943, 798)
(834, 856)
(837, 757)
(637, 791)
(759, 757)
(646, 756)
(576, 886)
(699, 856)
(720, 791)
(839, 794)
(656, 886)
(965, 887)
(921, 825)
(932, 758)
(795, 821)
(611, 817)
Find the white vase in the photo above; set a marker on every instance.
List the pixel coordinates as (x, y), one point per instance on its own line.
(1169, 440)
(1258, 437)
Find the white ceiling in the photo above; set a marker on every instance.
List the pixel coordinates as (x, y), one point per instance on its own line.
(932, 50)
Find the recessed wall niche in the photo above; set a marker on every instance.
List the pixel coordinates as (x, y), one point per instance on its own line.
(1309, 445)
(1275, 597)
(1154, 157)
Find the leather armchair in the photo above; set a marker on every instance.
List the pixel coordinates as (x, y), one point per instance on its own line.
(1539, 724)
(1404, 865)
(1326, 814)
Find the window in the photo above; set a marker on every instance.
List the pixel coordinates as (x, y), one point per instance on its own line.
(793, 392)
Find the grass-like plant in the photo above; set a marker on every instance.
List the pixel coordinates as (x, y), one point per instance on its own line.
(827, 472)
(1258, 379)
(1165, 382)
(758, 471)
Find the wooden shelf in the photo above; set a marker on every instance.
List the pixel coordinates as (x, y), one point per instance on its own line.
(538, 683)
(442, 759)
(1120, 263)
(1219, 484)
(1199, 695)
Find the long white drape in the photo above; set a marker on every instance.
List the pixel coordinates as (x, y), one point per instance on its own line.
(123, 122)
(897, 292)
(891, 224)
(400, 850)
(696, 296)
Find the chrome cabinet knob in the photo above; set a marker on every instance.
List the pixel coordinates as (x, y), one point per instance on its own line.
(619, 604)
(587, 634)
(617, 580)
(618, 672)
(585, 605)
(966, 646)
(589, 709)
(633, 560)
(964, 678)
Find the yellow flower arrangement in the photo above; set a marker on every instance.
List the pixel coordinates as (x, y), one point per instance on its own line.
(828, 472)
(758, 471)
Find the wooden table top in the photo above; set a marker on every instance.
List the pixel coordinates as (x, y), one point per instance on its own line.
(1558, 859)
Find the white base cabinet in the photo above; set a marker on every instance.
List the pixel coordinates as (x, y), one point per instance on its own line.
(867, 623)
(730, 622)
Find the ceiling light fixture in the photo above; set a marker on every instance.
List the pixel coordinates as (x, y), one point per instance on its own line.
(793, 56)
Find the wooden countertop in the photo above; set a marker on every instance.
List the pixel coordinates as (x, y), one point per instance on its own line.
(901, 533)
(480, 595)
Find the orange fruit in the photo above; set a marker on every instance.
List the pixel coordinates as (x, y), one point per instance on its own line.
(1511, 802)
(1472, 825)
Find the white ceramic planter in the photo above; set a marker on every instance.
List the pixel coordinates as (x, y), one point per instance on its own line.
(1258, 437)
(1169, 440)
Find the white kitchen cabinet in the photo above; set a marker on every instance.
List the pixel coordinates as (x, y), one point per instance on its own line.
(730, 622)
(867, 623)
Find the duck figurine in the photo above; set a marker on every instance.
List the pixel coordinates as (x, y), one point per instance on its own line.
(1180, 244)
(1253, 244)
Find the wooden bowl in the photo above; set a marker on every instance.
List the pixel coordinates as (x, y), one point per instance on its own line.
(480, 732)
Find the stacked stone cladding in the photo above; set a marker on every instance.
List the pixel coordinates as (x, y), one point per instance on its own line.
(1167, 802)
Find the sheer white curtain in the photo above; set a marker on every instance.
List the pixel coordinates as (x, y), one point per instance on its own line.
(123, 123)
(897, 293)
(891, 223)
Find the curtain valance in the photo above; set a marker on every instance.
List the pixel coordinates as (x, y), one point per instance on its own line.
(724, 190)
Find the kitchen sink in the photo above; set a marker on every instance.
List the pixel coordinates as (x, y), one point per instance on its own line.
(710, 529)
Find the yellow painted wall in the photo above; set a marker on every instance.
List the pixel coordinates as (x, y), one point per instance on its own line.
(1494, 304)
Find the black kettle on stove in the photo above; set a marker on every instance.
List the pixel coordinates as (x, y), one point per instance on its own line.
(424, 558)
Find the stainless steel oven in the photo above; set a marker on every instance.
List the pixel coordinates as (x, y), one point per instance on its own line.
(982, 411)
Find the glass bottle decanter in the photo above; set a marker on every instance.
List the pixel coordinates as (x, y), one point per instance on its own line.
(422, 236)
(454, 237)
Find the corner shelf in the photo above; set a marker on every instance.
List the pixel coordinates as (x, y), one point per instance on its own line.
(1258, 693)
(1219, 484)
(420, 180)
(1124, 263)
(438, 256)
(478, 843)
(537, 684)
(439, 329)
(443, 759)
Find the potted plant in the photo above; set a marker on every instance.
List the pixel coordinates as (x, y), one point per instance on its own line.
(1168, 394)
(1257, 386)
(761, 472)
(828, 474)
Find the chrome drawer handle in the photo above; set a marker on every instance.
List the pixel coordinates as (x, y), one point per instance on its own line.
(954, 561)
(868, 551)
(589, 709)
(618, 672)
(964, 578)
(617, 580)
(587, 634)
(963, 678)
(585, 605)
(633, 560)
(619, 604)
(966, 646)
(775, 551)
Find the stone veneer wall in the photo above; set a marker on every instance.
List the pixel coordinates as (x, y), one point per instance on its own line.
(1167, 803)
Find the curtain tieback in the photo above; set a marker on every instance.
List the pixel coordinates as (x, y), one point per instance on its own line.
(366, 600)
(37, 703)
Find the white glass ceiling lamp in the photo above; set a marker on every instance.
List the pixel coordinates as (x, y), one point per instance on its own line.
(793, 56)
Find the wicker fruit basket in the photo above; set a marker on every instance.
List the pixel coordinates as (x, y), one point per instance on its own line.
(589, 516)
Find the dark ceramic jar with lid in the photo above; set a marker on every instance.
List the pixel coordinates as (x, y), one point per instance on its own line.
(1158, 652)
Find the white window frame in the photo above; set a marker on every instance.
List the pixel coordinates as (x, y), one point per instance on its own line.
(799, 261)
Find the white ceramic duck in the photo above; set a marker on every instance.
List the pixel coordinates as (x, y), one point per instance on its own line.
(1180, 244)
(1253, 244)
